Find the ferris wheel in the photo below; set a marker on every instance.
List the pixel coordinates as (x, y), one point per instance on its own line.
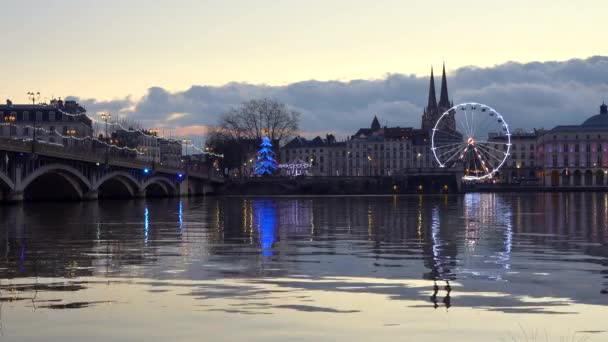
(472, 135)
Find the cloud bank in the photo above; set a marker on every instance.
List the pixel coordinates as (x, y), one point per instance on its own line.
(530, 95)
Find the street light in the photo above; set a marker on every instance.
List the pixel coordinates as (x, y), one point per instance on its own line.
(186, 142)
(9, 119)
(33, 97)
(154, 133)
(71, 133)
(105, 117)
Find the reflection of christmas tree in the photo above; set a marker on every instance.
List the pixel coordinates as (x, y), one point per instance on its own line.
(266, 163)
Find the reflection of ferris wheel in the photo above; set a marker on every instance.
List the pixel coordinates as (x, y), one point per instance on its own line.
(473, 135)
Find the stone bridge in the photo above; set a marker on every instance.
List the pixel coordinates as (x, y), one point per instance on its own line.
(57, 172)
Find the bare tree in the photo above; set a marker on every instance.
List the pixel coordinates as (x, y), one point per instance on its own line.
(256, 118)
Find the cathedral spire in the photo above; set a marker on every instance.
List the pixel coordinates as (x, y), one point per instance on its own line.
(444, 101)
(375, 124)
(432, 99)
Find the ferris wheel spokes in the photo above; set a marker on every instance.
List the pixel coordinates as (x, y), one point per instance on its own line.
(473, 135)
(488, 152)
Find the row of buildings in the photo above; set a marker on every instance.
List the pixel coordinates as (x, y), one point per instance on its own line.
(66, 123)
(573, 155)
(377, 150)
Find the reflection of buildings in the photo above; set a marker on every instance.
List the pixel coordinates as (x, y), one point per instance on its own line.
(438, 237)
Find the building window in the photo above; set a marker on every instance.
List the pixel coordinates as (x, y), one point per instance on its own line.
(576, 148)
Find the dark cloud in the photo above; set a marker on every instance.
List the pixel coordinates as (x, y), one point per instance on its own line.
(528, 95)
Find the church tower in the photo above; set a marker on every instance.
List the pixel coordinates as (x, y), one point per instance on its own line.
(434, 110)
(445, 104)
(430, 116)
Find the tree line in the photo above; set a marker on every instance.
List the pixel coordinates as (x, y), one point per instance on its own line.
(240, 130)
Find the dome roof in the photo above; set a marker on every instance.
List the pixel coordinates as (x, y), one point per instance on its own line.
(596, 121)
(600, 120)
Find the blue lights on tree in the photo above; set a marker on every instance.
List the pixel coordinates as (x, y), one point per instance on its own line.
(266, 163)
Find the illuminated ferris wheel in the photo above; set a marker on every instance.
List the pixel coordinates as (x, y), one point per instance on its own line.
(474, 136)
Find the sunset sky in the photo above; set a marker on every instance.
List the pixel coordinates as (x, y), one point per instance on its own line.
(112, 52)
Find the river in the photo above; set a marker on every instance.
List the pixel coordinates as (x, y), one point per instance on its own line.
(474, 267)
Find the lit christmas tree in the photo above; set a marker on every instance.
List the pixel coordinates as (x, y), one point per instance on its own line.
(266, 163)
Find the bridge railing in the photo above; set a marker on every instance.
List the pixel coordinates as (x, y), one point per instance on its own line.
(87, 153)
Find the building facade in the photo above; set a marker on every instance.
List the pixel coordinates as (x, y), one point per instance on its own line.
(576, 155)
(320, 157)
(56, 123)
(521, 165)
(377, 150)
(170, 152)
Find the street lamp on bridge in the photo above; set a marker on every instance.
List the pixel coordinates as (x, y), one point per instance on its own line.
(186, 142)
(33, 97)
(105, 117)
(9, 119)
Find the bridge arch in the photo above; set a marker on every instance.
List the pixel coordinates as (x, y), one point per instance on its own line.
(55, 186)
(159, 186)
(5, 181)
(117, 184)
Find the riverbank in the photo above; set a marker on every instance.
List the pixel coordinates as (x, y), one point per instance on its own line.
(530, 188)
(342, 185)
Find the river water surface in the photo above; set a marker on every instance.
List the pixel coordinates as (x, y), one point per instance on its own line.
(477, 267)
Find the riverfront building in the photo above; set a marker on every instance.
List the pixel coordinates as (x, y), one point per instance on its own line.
(521, 165)
(55, 123)
(324, 157)
(377, 150)
(565, 156)
(576, 155)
